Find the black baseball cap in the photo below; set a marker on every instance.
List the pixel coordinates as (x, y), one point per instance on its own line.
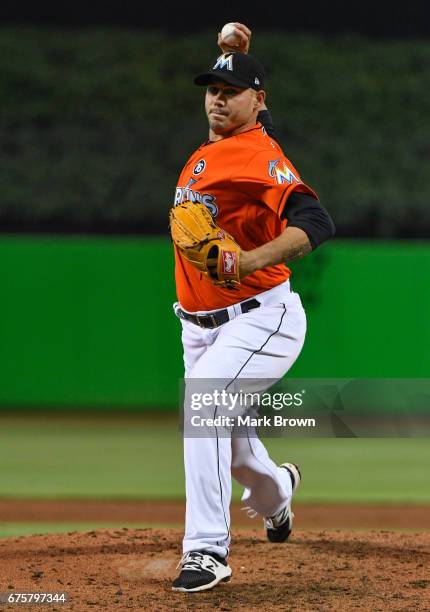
(239, 69)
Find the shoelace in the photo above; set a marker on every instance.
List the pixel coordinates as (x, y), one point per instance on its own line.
(195, 562)
(272, 522)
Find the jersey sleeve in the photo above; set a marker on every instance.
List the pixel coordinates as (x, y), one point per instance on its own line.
(270, 178)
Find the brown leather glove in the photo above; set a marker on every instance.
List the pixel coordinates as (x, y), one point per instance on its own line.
(204, 244)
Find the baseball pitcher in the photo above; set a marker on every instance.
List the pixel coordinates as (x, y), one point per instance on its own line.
(241, 210)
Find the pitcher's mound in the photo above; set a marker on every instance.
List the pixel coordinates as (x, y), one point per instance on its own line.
(132, 569)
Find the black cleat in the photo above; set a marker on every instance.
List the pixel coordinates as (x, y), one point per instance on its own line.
(200, 571)
(280, 525)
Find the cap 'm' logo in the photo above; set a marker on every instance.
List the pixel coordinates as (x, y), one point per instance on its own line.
(229, 262)
(199, 167)
(224, 61)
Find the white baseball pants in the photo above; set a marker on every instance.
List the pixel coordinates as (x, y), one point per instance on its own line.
(261, 344)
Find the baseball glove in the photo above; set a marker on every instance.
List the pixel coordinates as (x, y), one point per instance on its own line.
(204, 244)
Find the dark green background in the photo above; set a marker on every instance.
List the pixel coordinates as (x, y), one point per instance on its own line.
(95, 125)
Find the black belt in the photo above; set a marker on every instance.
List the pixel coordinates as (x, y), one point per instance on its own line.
(218, 317)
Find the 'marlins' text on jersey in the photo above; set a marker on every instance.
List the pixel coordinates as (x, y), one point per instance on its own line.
(184, 194)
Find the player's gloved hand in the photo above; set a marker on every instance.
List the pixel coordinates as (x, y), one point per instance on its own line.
(244, 35)
(204, 244)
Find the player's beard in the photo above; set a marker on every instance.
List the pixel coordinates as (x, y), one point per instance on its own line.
(219, 123)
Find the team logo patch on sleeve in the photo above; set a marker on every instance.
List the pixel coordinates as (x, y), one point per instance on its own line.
(229, 262)
(282, 173)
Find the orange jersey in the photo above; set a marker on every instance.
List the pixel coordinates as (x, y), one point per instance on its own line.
(245, 181)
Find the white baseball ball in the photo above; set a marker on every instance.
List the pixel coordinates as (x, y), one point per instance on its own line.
(228, 35)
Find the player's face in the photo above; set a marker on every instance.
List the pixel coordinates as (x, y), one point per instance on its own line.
(230, 108)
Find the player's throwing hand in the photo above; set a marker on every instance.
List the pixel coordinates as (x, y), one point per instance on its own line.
(241, 33)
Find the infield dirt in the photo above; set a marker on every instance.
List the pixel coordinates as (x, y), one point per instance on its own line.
(131, 569)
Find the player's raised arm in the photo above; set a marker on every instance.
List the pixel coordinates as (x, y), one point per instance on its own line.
(237, 37)
(309, 224)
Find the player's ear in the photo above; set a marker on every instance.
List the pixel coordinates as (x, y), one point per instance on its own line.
(259, 98)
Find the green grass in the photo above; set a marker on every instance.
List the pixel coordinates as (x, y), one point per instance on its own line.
(388, 470)
(142, 458)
